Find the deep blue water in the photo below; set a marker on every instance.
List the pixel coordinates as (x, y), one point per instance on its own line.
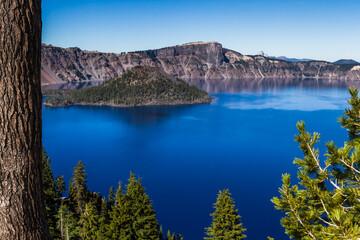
(185, 154)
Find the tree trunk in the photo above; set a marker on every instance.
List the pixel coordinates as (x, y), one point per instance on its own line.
(22, 209)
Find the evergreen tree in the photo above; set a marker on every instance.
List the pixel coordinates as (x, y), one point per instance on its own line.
(79, 194)
(96, 200)
(66, 223)
(326, 205)
(103, 220)
(120, 226)
(161, 233)
(226, 223)
(111, 196)
(49, 188)
(90, 223)
(179, 237)
(60, 189)
(144, 221)
(168, 235)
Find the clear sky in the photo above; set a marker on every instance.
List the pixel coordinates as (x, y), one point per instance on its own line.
(319, 29)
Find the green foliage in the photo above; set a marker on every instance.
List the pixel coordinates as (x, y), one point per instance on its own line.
(78, 191)
(103, 220)
(53, 190)
(226, 223)
(169, 236)
(144, 223)
(139, 86)
(49, 187)
(351, 118)
(120, 218)
(132, 216)
(111, 196)
(67, 224)
(86, 215)
(60, 188)
(90, 223)
(326, 204)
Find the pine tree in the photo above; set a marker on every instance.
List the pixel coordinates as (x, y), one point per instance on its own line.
(226, 223)
(111, 196)
(90, 223)
(66, 223)
(161, 233)
(103, 220)
(79, 194)
(49, 187)
(179, 237)
(326, 205)
(144, 221)
(168, 235)
(120, 226)
(60, 189)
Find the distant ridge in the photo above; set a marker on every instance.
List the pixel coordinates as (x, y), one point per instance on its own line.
(294, 59)
(197, 60)
(261, 53)
(346, 61)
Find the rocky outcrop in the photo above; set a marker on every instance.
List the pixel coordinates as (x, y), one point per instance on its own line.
(200, 60)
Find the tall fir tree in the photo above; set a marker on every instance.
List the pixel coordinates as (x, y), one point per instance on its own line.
(144, 221)
(168, 235)
(226, 223)
(79, 194)
(103, 220)
(120, 226)
(49, 187)
(60, 189)
(161, 233)
(111, 196)
(67, 224)
(326, 205)
(90, 223)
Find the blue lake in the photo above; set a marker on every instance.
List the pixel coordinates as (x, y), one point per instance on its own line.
(242, 141)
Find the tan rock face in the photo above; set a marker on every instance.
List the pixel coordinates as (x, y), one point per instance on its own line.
(200, 60)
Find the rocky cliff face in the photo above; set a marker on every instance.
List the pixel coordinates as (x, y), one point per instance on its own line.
(200, 60)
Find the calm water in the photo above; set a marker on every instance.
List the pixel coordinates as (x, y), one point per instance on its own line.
(242, 141)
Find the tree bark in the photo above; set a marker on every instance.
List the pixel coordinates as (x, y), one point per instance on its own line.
(22, 209)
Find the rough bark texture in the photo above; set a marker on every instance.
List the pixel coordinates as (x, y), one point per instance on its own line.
(22, 209)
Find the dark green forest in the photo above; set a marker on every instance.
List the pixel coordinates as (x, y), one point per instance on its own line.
(138, 86)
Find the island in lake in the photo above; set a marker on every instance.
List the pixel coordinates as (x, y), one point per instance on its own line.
(139, 86)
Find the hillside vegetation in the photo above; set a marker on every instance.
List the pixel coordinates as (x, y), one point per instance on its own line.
(137, 87)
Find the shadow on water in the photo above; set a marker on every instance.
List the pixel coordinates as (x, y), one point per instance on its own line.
(141, 116)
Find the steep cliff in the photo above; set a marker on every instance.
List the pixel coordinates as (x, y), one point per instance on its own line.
(200, 60)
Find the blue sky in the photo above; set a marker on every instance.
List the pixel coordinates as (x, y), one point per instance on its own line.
(318, 29)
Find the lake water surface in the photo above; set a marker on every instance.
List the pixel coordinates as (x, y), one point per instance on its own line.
(242, 141)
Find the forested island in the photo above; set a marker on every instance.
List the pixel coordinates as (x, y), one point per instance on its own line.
(139, 86)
